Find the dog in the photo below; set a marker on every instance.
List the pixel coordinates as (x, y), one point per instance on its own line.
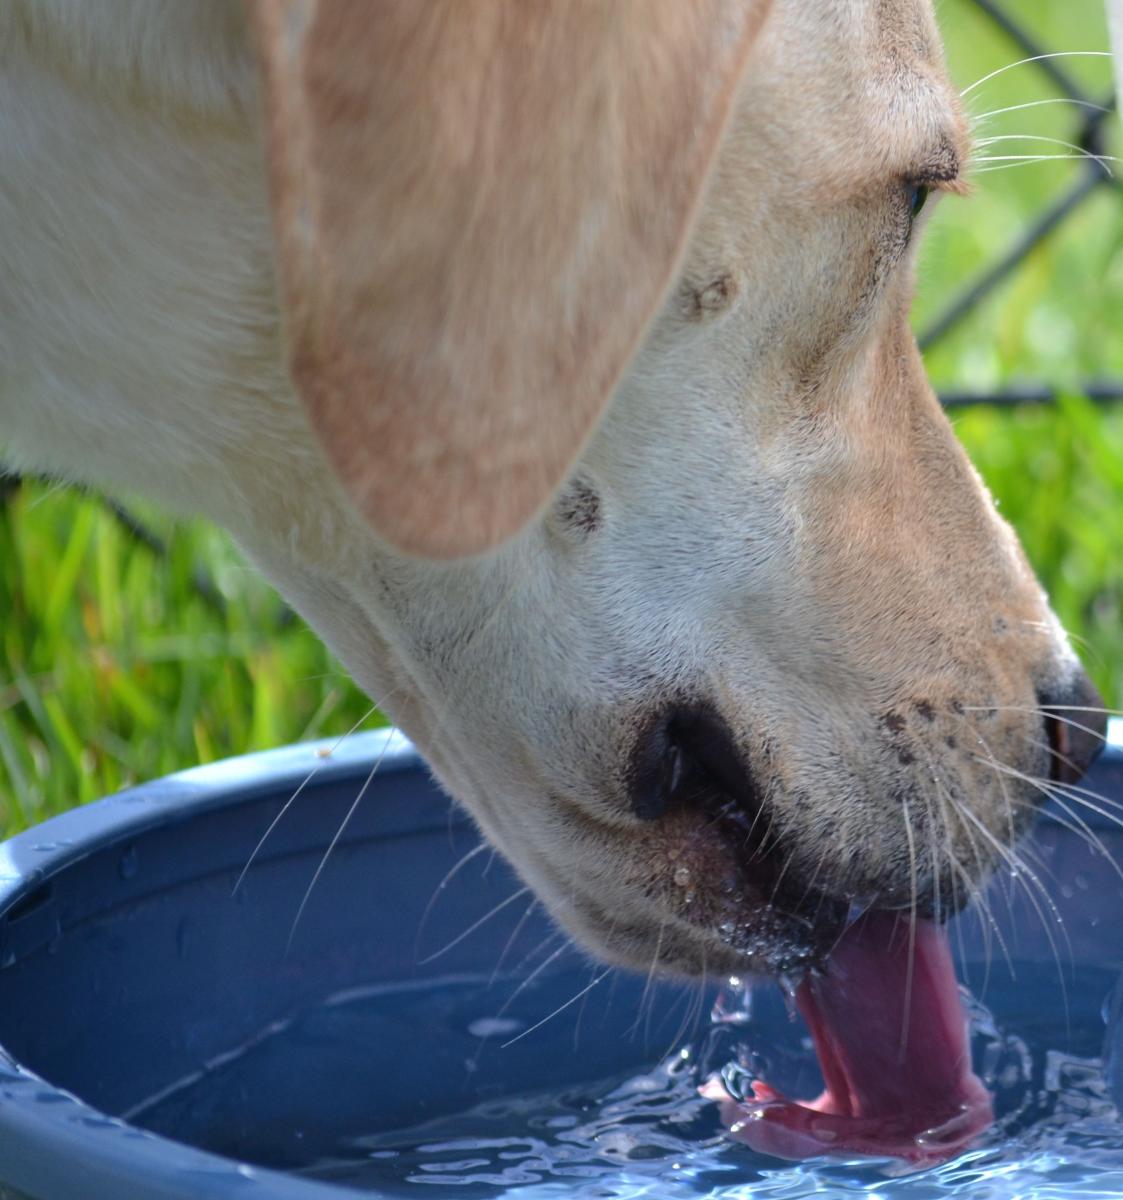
(554, 362)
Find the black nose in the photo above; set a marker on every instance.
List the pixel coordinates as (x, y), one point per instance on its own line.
(1076, 724)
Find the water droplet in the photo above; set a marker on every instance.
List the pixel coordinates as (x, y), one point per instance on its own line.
(682, 877)
(128, 863)
(950, 1131)
(789, 985)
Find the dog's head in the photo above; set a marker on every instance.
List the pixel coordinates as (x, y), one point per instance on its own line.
(679, 576)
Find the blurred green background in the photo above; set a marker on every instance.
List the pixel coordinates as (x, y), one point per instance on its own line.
(115, 668)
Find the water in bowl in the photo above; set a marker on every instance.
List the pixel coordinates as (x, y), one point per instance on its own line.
(430, 1088)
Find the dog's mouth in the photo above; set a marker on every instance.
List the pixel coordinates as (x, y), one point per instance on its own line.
(879, 993)
(890, 1032)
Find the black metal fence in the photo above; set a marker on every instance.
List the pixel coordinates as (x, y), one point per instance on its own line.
(1094, 175)
(1088, 136)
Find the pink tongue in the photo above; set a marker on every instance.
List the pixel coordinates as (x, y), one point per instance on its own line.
(892, 1046)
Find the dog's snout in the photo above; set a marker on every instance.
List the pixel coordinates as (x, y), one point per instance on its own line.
(1076, 725)
(687, 756)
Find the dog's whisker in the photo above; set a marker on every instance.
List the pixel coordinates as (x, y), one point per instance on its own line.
(1086, 154)
(1032, 59)
(1056, 755)
(511, 941)
(1056, 788)
(548, 940)
(1023, 872)
(1088, 835)
(1115, 818)
(1072, 636)
(997, 112)
(1088, 708)
(1056, 792)
(1010, 161)
(909, 968)
(1019, 871)
(450, 875)
(1050, 710)
(527, 980)
(557, 1011)
(1078, 151)
(508, 900)
(960, 874)
(1002, 784)
(1006, 886)
(691, 1012)
(650, 976)
(993, 138)
(1075, 790)
(335, 840)
(293, 798)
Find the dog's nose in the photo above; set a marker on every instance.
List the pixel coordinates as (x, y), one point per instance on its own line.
(1076, 725)
(682, 757)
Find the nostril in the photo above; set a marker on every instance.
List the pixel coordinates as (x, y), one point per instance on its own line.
(686, 755)
(655, 772)
(1076, 725)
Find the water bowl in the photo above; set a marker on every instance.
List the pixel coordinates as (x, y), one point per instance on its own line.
(399, 1018)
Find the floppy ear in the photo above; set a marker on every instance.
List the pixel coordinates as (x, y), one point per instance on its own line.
(478, 206)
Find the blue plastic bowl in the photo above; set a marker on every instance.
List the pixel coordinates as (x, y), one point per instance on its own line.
(128, 962)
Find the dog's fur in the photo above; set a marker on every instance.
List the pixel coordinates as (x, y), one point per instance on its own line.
(772, 524)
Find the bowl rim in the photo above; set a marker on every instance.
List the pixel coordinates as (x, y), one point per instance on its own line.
(45, 1131)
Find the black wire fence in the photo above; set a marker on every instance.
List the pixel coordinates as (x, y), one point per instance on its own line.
(1094, 175)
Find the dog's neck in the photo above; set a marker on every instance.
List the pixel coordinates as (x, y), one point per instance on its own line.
(190, 57)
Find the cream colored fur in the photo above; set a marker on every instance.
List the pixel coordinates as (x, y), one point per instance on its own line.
(773, 516)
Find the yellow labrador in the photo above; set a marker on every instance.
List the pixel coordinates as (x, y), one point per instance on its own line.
(553, 360)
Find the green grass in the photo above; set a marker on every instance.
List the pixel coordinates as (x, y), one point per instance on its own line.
(113, 668)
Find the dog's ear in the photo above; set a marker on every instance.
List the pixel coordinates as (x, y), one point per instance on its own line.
(478, 207)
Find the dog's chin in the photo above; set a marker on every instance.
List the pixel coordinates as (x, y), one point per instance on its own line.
(728, 937)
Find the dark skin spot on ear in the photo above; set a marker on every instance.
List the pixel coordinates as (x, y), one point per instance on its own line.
(925, 710)
(951, 742)
(905, 758)
(893, 721)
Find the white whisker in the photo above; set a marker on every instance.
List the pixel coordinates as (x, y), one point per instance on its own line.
(905, 1015)
(1035, 58)
(511, 941)
(560, 1009)
(474, 926)
(450, 875)
(1080, 151)
(292, 799)
(650, 976)
(997, 112)
(335, 840)
(523, 984)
